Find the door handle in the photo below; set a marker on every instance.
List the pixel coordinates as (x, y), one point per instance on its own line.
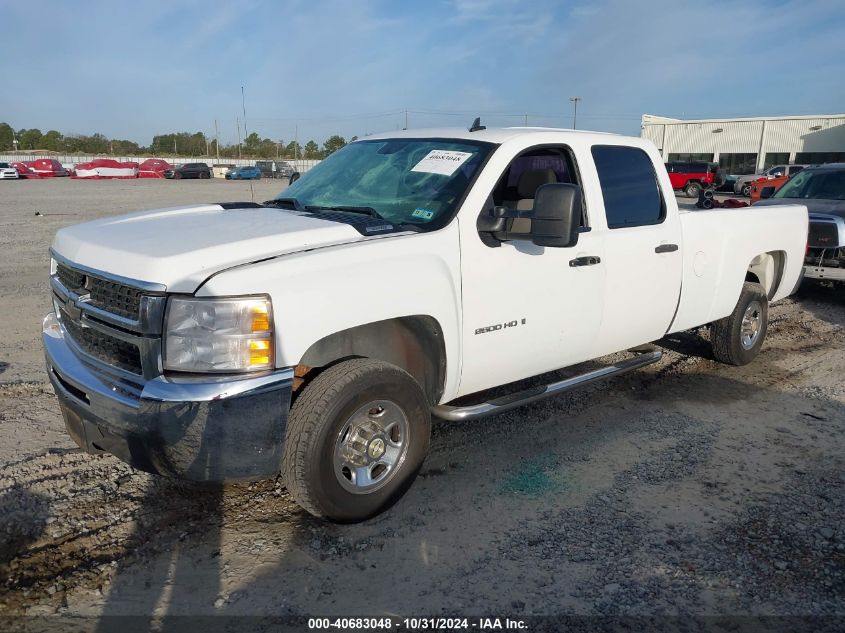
(666, 248)
(589, 260)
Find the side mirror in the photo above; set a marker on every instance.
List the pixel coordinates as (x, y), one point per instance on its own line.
(557, 215)
(767, 192)
(293, 177)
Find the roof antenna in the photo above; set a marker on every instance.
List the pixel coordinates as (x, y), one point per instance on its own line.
(476, 125)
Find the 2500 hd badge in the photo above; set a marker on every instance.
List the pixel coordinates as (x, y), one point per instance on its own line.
(499, 326)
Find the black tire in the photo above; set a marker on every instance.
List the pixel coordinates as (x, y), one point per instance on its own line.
(726, 335)
(746, 189)
(693, 189)
(319, 416)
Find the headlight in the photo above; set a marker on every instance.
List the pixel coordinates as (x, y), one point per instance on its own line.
(219, 335)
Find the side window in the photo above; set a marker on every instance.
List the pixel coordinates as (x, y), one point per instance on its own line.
(629, 186)
(518, 184)
(528, 172)
(795, 169)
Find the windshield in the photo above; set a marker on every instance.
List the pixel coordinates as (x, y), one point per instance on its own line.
(815, 185)
(405, 181)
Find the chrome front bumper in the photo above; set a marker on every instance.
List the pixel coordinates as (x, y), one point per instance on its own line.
(199, 429)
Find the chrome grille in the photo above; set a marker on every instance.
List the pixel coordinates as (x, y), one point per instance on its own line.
(114, 297)
(103, 347)
(111, 320)
(71, 279)
(117, 298)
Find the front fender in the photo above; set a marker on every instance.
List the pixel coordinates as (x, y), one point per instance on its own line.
(327, 290)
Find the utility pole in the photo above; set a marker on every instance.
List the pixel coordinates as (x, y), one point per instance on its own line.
(575, 101)
(207, 150)
(217, 140)
(238, 124)
(243, 105)
(174, 145)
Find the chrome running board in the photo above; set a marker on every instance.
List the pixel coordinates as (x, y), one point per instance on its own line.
(514, 400)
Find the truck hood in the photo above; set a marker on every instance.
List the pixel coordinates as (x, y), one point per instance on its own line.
(181, 247)
(828, 207)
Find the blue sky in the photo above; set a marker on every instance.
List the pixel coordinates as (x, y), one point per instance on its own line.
(132, 69)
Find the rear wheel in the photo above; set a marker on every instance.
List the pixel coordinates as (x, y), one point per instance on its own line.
(693, 189)
(737, 338)
(356, 439)
(746, 189)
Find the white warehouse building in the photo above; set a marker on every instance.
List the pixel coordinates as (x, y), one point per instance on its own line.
(748, 145)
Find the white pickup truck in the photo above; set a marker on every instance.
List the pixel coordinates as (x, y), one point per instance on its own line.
(315, 334)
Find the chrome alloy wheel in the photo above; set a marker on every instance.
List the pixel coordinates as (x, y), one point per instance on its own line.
(752, 325)
(371, 446)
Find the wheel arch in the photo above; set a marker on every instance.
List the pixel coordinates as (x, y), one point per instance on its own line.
(414, 343)
(767, 269)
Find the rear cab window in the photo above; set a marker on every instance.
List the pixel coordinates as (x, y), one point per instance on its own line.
(629, 186)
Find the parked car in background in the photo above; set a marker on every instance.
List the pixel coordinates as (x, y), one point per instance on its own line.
(219, 170)
(728, 182)
(243, 173)
(766, 187)
(7, 172)
(743, 183)
(189, 170)
(691, 178)
(822, 190)
(274, 168)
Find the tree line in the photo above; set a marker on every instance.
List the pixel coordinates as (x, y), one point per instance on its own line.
(173, 144)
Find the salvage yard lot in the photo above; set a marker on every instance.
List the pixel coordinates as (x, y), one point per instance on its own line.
(689, 487)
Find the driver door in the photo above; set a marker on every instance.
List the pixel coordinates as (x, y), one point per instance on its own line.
(527, 309)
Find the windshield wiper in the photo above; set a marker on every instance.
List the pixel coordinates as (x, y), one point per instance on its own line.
(363, 210)
(284, 203)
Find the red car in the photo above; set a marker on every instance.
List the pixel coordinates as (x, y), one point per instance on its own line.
(691, 178)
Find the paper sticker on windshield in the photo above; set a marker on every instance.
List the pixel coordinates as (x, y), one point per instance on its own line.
(423, 214)
(441, 161)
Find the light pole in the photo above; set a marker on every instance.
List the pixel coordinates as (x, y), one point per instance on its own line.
(575, 101)
(243, 105)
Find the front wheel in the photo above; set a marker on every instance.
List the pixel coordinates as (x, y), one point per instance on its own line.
(356, 439)
(746, 190)
(737, 338)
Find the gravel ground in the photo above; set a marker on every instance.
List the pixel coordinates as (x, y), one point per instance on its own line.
(687, 488)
